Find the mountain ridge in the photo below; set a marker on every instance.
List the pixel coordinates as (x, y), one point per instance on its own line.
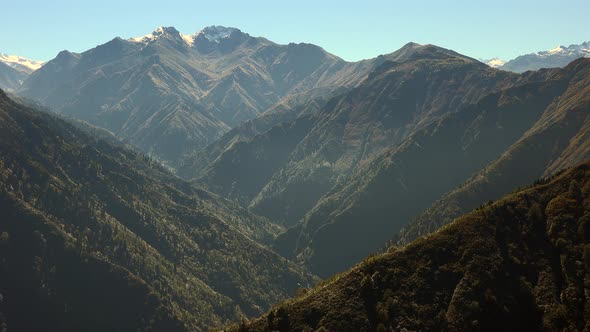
(20, 63)
(557, 57)
(399, 185)
(410, 53)
(322, 152)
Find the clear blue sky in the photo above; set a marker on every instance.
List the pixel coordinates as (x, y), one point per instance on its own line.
(353, 30)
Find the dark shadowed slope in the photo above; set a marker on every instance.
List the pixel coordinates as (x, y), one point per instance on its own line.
(560, 138)
(521, 263)
(98, 237)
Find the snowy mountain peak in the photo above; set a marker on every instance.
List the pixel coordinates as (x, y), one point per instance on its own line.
(158, 32)
(581, 50)
(21, 64)
(558, 49)
(216, 33)
(556, 57)
(494, 63)
(213, 33)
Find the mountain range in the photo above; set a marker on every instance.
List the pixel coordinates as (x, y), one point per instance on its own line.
(557, 57)
(170, 94)
(348, 130)
(363, 159)
(174, 182)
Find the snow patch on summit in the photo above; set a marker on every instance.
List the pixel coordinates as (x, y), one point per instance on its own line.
(213, 33)
(188, 39)
(149, 37)
(216, 33)
(558, 49)
(495, 62)
(20, 63)
(582, 50)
